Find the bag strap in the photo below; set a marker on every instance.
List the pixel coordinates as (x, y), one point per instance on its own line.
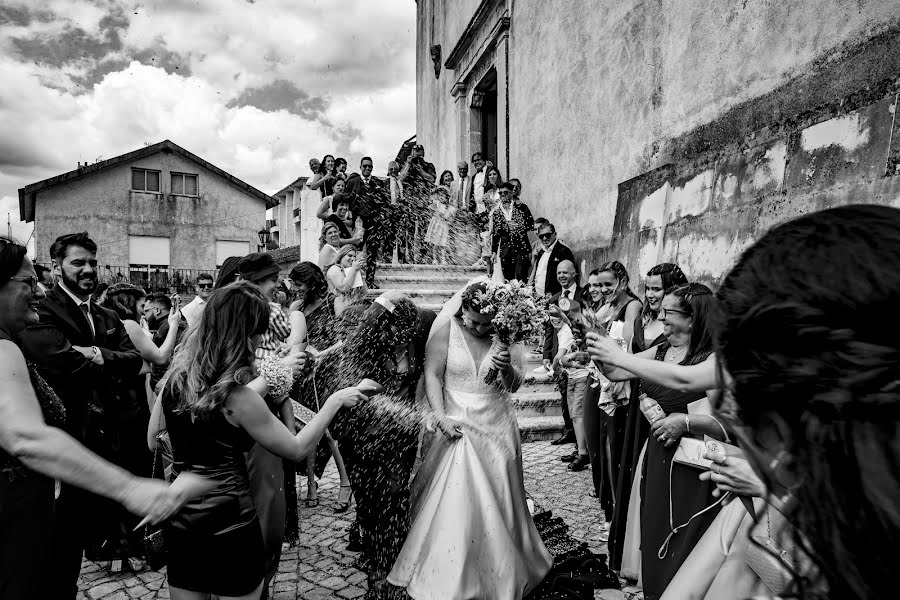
(664, 548)
(158, 432)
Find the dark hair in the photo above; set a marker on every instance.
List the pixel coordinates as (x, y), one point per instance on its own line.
(159, 298)
(340, 161)
(336, 200)
(368, 158)
(815, 369)
(12, 255)
(60, 247)
(698, 302)
(671, 276)
(474, 154)
(122, 299)
(322, 164)
(550, 225)
(229, 271)
(440, 180)
(619, 272)
(218, 355)
(311, 275)
(540, 221)
(101, 287)
(206, 276)
(487, 183)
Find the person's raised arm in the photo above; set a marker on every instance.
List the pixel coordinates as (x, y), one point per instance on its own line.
(52, 452)
(318, 181)
(342, 279)
(149, 351)
(614, 373)
(297, 339)
(324, 208)
(404, 172)
(246, 409)
(684, 378)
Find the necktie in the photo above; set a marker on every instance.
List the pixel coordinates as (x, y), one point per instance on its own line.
(85, 308)
(566, 294)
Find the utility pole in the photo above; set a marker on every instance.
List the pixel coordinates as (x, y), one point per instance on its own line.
(8, 226)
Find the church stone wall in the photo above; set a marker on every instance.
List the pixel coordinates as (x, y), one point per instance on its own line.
(670, 130)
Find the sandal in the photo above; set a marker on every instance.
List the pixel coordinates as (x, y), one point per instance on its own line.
(343, 503)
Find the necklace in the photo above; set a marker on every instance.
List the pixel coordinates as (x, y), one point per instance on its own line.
(676, 355)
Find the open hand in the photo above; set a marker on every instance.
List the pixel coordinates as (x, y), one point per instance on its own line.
(603, 348)
(669, 430)
(733, 474)
(152, 499)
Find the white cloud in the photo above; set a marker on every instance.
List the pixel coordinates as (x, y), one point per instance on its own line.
(354, 61)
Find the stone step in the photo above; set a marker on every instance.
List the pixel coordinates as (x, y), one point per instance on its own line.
(536, 429)
(537, 404)
(425, 298)
(408, 268)
(414, 281)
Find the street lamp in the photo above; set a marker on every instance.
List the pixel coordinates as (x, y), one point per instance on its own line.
(263, 239)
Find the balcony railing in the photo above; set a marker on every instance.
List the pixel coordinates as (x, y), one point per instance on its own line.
(271, 223)
(154, 279)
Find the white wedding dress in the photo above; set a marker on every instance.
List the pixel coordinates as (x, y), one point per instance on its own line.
(471, 534)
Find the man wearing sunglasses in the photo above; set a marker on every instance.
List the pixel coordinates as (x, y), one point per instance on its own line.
(546, 262)
(194, 309)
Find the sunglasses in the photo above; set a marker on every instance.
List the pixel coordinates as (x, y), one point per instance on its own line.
(366, 167)
(545, 236)
(31, 280)
(204, 286)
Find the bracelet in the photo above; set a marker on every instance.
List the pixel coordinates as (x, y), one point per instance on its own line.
(279, 378)
(687, 423)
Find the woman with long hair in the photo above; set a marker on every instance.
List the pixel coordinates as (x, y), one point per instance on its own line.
(331, 243)
(215, 543)
(324, 179)
(605, 425)
(624, 534)
(676, 509)
(134, 399)
(313, 327)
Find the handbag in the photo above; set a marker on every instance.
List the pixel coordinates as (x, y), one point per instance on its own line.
(155, 548)
(771, 563)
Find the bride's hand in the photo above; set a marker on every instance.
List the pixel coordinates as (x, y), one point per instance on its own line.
(502, 361)
(448, 426)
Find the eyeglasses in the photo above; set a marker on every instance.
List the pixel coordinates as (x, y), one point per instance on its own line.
(545, 236)
(663, 312)
(204, 286)
(366, 167)
(505, 192)
(31, 280)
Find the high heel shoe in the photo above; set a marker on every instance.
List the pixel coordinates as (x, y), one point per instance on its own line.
(312, 502)
(343, 506)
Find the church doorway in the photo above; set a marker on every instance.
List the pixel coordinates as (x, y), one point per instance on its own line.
(484, 109)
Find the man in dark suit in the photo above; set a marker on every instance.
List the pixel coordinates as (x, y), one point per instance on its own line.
(568, 299)
(79, 348)
(380, 450)
(546, 262)
(370, 200)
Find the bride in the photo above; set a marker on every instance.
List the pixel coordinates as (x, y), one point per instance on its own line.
(471, 534)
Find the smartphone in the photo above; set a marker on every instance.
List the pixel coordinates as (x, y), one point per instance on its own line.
(370, 387)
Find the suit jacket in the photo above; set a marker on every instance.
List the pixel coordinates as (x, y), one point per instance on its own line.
(572, 313)
(86, 389)
(559, 253)
(372, 203)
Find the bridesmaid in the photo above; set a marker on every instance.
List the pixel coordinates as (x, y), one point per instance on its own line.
(648, 332)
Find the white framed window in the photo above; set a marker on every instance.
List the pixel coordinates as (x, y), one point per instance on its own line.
(185, 184)
(144, 180)
(146, 250)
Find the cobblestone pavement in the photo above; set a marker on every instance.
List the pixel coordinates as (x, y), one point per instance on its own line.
(319, 567)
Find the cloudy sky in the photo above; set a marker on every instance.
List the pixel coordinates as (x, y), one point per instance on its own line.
(256, 87)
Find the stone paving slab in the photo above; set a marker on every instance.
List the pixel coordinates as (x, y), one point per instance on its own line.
(319, 567)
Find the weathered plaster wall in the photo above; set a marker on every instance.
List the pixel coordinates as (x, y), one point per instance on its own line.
(103, 205)
(605, 92)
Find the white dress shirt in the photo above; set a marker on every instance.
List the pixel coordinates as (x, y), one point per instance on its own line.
(193, 310)
(478, 191)
(540, 272)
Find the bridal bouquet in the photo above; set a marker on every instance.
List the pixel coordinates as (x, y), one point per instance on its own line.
(518, 314)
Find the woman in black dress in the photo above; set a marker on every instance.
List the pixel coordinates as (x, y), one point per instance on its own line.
(671, 493)
(648, 332)
(215, 543)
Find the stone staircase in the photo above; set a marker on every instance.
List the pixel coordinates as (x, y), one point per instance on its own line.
(537, 402)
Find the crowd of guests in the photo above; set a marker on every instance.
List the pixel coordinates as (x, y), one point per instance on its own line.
(787, 377)
(414, 215)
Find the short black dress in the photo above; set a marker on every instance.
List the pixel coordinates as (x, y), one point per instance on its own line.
(214, 542)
